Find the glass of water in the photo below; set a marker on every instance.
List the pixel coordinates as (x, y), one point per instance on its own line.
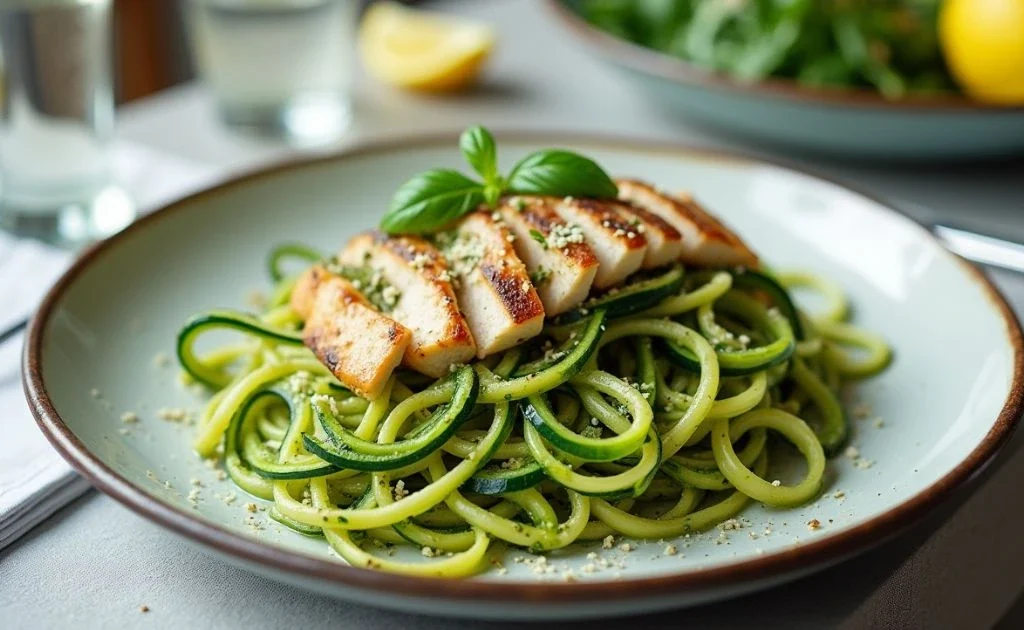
(56, 121)
(282, 67)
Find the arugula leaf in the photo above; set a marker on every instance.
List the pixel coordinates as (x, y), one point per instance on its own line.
(560, 173)
(478, 148)
(430, 201)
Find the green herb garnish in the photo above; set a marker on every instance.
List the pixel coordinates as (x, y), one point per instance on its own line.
(435, 198)
(540, 276)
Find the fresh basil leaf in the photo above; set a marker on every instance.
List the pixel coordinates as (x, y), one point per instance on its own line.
(478, 148)
(560, 173)
(491, 195)
(430, 201)
(537, 236)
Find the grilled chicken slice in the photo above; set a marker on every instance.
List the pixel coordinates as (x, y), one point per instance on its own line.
(617, 244)
(493, 287)
(419, 283)
(707, 241)
(358, 344)
(664, 242)
(560, 263)
(304, 294)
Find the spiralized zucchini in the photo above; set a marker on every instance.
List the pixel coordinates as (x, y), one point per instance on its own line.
(653, 424)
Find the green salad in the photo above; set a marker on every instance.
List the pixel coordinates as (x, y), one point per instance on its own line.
(888, 45)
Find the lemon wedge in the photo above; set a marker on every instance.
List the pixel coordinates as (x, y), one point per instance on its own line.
(421, 50)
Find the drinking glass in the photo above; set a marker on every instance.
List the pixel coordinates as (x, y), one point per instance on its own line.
(56, 119)
(282, 67)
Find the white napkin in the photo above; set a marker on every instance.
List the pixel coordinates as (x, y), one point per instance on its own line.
(34, 480)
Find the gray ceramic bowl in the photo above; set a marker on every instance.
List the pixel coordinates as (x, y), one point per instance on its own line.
(852, 123)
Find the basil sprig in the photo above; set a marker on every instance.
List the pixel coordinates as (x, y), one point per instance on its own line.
(435, 198)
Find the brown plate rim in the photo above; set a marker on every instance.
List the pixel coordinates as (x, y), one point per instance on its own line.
(308, 567)
(653, 62)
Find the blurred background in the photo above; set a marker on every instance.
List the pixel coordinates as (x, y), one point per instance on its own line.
(894, 85)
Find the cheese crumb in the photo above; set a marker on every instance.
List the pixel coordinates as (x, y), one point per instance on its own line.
(626, 547)
(851, 452)
(251, 507)
(861, 410)
(175, 415)
(400, 491)
(256, 299)
(608, 542)
(390, 295)
(564, 234)
(129, 417)
(463, 253)
(838, 494)
(813, 524)
(671, 550)
(301, 382)
(776, 483)
(324, 399)
(427, 552)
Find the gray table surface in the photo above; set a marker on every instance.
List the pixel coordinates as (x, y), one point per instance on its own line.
(95, 563)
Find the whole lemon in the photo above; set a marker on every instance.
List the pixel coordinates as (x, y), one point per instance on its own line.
(983, 42)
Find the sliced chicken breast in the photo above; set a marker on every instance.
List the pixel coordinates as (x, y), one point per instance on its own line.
(617, 244)
(304, 294)
(559, 261)
(707, 242)
(664, 242)
(492, 285)
(360, 346)
(418, 282)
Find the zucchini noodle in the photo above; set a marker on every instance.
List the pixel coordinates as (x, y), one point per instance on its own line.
(654, 417)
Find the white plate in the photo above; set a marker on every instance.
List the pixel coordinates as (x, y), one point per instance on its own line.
(948, 401)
